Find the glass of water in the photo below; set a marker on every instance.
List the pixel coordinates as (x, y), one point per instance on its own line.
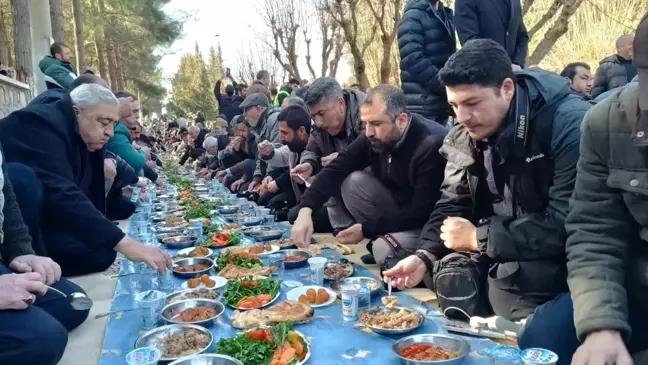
(269, 219)
(277, 260)
(150, 303)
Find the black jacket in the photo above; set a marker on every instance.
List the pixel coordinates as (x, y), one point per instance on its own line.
(476, 19)
(413, 172)
(610, 74)
(194, 152)
(228, 105)
(426, 39)
(530, 244)
(46, 138)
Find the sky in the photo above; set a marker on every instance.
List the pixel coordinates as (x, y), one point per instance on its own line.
(235, 24)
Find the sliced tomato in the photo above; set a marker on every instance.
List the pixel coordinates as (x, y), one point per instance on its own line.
(258, 335)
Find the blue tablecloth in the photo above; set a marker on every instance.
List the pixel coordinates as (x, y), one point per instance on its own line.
(333, 341)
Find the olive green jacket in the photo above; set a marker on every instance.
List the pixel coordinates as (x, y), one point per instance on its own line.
(607, 224)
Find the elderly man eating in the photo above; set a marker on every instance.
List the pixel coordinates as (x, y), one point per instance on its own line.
(59, 147)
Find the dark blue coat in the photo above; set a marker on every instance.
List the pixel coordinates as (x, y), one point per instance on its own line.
(426, 39)
(477, 19)
(46, 138)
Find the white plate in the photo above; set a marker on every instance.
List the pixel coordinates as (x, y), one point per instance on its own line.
(294, 295)
(220, 283)
(248, 309)
(186, 251)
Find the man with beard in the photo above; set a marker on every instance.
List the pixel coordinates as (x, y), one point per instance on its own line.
(391, 204)
(57, 68)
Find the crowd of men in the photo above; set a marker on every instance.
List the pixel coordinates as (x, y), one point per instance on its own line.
(509, 191)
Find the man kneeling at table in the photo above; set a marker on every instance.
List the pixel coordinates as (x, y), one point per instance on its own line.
(30, 334)
(391, 204)
(58, 150)
(510, 173)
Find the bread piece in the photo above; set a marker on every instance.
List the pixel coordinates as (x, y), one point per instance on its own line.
(234, 272)
(282, 312)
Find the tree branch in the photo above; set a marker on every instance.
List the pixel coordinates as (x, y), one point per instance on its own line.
(547, 16)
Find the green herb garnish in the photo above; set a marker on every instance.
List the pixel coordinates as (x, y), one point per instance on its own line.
(249, 287)
(225, 258)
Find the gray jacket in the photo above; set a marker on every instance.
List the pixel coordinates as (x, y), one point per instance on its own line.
(321, 143)
(610, 75)
(266, 130)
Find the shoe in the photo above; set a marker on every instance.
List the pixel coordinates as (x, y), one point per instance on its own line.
(368, 259)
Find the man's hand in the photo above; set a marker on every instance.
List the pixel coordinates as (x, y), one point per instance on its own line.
(407, 273)
(136, 146)
(351, 235)
(159, 182)
(305, 170)
(236, 185)
(266, 180)
(236, 143)
(147, 151)
(137, 252)
(265, 148)
(602, 348)
(459, 234)
(326, 160)
(16, 290)
(202, 172)
(141, 182)
(49, 271)
(302, 230)
(110, 169)
(253, 185)
(273, 187)
(221, 174)
(151, 164)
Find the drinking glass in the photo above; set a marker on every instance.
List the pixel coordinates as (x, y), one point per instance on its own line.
(277, 260)
(143, 280)
(196, 230)
(139, 228)
(150, 304)
(269, 219)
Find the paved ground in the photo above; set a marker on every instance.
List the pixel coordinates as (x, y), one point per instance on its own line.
(85, 343)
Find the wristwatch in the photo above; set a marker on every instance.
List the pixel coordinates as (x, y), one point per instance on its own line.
(426, 260)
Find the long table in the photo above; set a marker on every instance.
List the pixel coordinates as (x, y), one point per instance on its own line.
(333, 341)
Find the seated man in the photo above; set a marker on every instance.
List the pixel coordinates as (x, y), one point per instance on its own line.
(209, 162)
(337, 120)
(579, 75)
(509, 176)
(57, 152)
(238, 157)
(389, 205)
(606, 247)
(119, 175)
(30, 334)
(197, 137)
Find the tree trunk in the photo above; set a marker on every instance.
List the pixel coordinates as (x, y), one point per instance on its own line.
(79, 36)
(56, 16)
(385, 63)
(99, 40)
(337, 55)
(526, 6)
(119, 71)
(22, 39)
(110, 55)
(4, 40)
(547, 16)
(554, 33)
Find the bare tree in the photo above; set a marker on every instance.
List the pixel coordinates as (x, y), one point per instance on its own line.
(332, 40)
(4, 40)
(56, 16)
(558, 29)
(22, 39)
(387, 14)
(345, 13)
(546, 17)
(338, 51)
(526, 6)
(249, 61)
(79, 36)
(284, 18)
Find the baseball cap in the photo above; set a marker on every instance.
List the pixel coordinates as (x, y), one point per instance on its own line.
(640, 55)
(256, 99)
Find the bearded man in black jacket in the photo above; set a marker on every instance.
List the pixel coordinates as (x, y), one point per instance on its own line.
(391, 204)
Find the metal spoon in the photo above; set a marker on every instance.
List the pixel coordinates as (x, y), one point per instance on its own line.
(78, 301)
(389, 287)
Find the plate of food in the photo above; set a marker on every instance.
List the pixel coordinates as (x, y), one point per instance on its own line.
(242, 259)
(279, 344)
(206, 282)
(170, 228)
(432, 349)
(199, 293)
(179, 242)
(211, 229)
(232, 271)
(315, 296)
(296, 258)
(391, 321)
(192, 252)
(202, 312)
(374, 284)
(263, 233)
(251, 293)
(226, 228)
(177, 340)
(219, 240)
(286, 311)
(257, 250)
(336, 270)
(192, 267)
(231, 217)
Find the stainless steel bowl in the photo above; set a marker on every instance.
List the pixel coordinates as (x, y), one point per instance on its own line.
(207, 359)
(449, 342)
(393, 331)
(263, 233)
(171, 311)
(249, 221)
(301, 253)
(375, 284)
(176, 296)
(164, 236)
(156, 335)
(192, 261)
(179, 242)
(170, 228)
(228, 209)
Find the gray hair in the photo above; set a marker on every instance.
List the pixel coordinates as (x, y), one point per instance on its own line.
(182, 122)
(210, 142)
(322, 89)
(394, 99)
(295, 100)
(88, 95)
(194, 128)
